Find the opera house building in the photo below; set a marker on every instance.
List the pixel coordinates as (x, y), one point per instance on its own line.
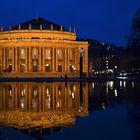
(40, 48)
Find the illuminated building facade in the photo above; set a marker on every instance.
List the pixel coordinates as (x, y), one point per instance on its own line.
(41, 48)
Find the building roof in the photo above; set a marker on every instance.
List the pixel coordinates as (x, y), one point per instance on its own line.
(37, 24)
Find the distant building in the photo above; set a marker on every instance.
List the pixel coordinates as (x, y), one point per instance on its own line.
(40, 48)
(103, 57)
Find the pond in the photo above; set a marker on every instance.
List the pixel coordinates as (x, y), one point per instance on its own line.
(70, 110)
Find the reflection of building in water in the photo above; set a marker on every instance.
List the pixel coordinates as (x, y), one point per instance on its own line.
(25, 105)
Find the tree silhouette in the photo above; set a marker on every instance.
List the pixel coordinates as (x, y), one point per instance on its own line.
(134, 38)
(133, 49)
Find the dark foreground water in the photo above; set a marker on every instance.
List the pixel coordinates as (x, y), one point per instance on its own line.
(46, 111)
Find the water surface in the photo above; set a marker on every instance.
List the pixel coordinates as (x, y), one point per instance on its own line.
(99, 110)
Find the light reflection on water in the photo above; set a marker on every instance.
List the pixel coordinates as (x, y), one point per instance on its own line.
(36, 110)
(28, 105)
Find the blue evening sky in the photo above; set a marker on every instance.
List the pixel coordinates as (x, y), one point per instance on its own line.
(105, 20)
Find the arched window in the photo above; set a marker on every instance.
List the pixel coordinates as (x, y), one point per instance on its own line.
(47, 53)
(35, 53)
(22, 53)
(10, 53)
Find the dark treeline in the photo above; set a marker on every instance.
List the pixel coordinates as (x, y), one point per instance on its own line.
(133, 47)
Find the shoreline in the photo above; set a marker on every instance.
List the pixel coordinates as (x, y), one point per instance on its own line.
(68, 79)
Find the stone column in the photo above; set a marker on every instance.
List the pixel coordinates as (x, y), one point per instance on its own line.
(4, 59)
(65, 60)
(16, 60)
(68, 99)
(43, 59)
(77, 59)
(13, 96)
(53, 97)
(53, 60)
(68, 61)
(26, 59)
(4, 94)
(26, 97)
(56, 60)
(40, 98)
(13, 59)
(16, 97)
(30, 97)
(75, 64)
(1, 58)
(39, 59)
(74, 56)
(43, 97)
(1, 100)
(30, 59)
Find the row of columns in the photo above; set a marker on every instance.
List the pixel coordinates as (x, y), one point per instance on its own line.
(14, 98)
(54, 61)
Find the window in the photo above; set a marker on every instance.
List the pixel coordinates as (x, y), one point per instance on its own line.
(22, 53)
(48, 54)
(9, 53)
(35, 53)
(59, 54)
